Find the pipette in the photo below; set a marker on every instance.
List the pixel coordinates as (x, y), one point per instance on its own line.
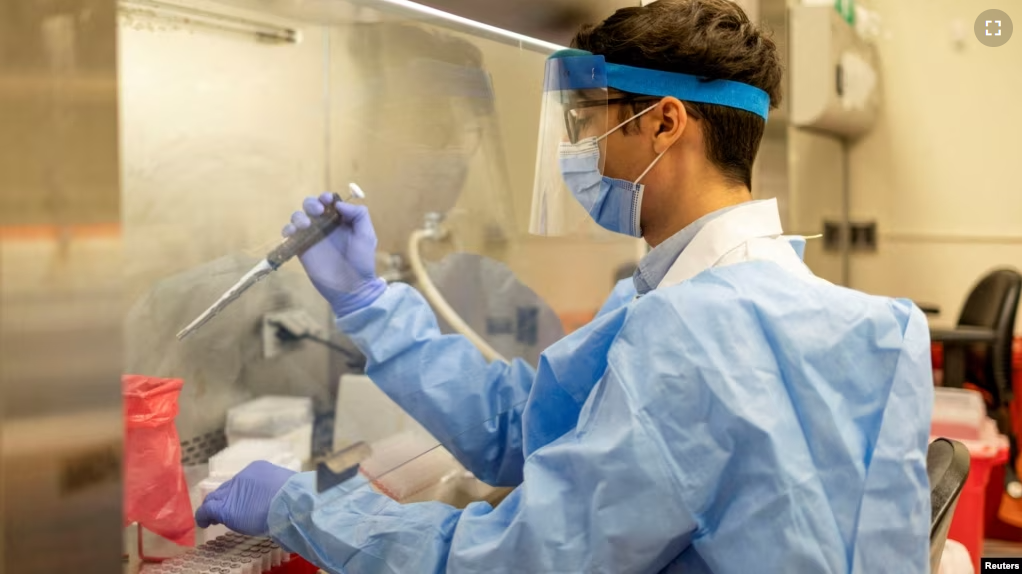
(294, 245)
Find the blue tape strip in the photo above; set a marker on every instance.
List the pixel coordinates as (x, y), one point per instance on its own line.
(568, 53)
(689, 88)
(575, 73)
(579, 70)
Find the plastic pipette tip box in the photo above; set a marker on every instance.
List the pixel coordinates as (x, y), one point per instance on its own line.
(229, 462)
(234, 553)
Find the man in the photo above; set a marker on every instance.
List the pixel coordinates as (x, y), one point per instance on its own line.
(739, 415)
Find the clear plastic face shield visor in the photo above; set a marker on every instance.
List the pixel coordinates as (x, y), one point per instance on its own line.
(575, 107)
(582, 98)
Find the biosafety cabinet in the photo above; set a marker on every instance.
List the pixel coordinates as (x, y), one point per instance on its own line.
(151, 151)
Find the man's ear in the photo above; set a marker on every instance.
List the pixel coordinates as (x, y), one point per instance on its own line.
(670, 120)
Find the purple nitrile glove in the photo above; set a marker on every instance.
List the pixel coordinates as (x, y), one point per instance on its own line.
(243, 502)
(342, 266)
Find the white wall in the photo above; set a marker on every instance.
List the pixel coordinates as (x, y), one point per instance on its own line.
(940, 172)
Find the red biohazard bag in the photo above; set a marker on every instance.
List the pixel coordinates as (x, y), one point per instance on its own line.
(155, 491)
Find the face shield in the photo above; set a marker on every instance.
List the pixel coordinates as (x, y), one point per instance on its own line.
(575, 107)
(581, 97)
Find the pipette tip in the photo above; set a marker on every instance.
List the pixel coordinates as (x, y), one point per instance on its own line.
(356, 192)
(190, 328)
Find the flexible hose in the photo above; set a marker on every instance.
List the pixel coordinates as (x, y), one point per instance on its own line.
(436, 299)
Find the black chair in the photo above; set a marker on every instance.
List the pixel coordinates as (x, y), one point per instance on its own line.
(947, 465)
(978, 351)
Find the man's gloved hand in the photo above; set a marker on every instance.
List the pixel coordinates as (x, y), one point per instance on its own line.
(343, 265)
(243, 503)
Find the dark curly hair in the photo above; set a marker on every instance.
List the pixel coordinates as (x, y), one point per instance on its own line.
(713, 39)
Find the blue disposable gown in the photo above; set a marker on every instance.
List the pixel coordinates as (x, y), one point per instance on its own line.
(741, 421)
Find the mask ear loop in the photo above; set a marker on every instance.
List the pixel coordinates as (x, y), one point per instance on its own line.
(660, 155)
(657, 159)
(622, 124)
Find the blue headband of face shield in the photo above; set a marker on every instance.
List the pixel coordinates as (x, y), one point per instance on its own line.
(581, 70)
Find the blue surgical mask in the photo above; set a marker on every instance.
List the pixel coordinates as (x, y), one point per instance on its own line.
(613, 204)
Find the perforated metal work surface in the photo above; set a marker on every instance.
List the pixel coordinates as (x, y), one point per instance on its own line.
(198, 450)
